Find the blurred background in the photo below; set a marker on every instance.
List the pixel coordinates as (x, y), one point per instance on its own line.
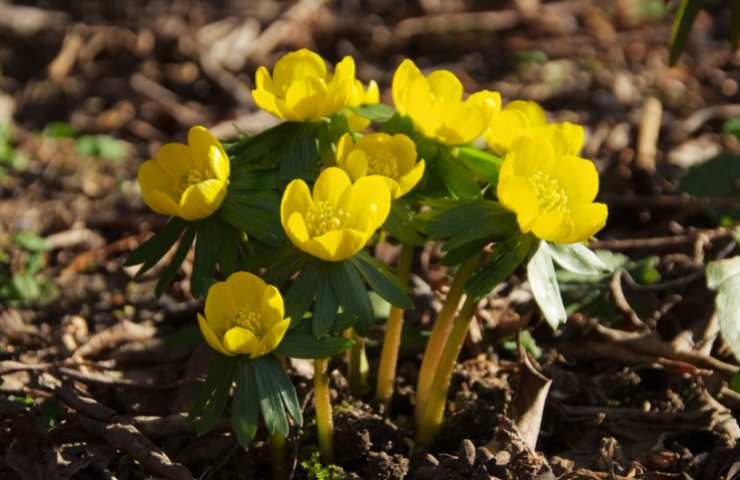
(90, 89)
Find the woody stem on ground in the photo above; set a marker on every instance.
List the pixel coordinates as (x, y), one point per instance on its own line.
(440, 333)
(277, 454)
(434, 409)
(392, 337)
(324, 415)
(358, 365)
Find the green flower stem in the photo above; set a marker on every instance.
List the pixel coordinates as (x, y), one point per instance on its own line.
(277, 452)
(435, 403)
(358, 366)
(440, 333)
(392, 338)
(324, 416)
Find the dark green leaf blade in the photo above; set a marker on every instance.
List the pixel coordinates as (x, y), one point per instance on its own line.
(169, 273)
(302, 292)
(279, 377)
(456, 176)
(326, 307)
(351, 293)
(382, 280)
(209, 408)
(504, 259)
(153, 249)
(270, 400)
(208, 240)
(245, 406)
(685, 17)
(297, 344)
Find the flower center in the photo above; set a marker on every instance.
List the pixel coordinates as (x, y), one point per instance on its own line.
(550, 195)
(325, 217)
(250, 320)
(193, 177)
(382, 163)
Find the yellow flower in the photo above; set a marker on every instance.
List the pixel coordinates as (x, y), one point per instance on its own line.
(188, 181)
(337, 221)
(525, 118)
(551, 193)
(435, 104)
(243, 316)
(360, 96)
(300, 88)
(392, 157)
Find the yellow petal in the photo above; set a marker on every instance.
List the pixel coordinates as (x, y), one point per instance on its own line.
(409, 180)
(405, 151)
(202, 199)
(356, 123)
(272, 309)
(210, 336)
(587, 220)
(372, 94)
(368, 202)
(535, 115)
(578, 177)
(296, 229)
(356, 164)
(207, 152)
(401, 85)
(567, 137)
(445, 85)
(341, 86)
(267, 102)
(460, 124)
(331, 185)
(263, 80)
(247, 290)
(552, 226)
(175, 159)
(516, 194)
(239, 340)
(157, 188)
(296, 199)
(271, 339)
(530, 155)
(296, 67)
(305, 100)
(486, 102)
(504, 129)
(344, 146)
(337, 245)
(220, 308)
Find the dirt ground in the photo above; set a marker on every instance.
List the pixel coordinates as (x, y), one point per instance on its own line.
(96, 373)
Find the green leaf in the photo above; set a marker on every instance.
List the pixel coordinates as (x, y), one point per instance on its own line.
(544, 285)
(169, 273)
(228, 254)
(460, 253)
(351, 293)
(472, 220)
(457, 177)
(732, 126)
(246, 177)
(59, 130)
(31, 242)
(299, 157)
(384, 282)
(282, 383)
(302, 292)
(207, 409)
(210, 235)
(577, 258)
(484, 164)
(256, 212)
(25, 287)
(401, 224)
(717, 177)
(298, 344)
(685, 17)
(377, 112)
(152, 250)
(399, 124)
(245, 407)
(724, 277)
(326, 307)
(270, 400)
(504, 259)
(251, 150)
(283, 264)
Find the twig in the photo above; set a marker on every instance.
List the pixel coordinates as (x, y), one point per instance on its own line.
(126, 331)
(166, 98)
(695, 121)
(659, 242)
(647, 145)
(65, 60)
(615, 288)
(83, 260)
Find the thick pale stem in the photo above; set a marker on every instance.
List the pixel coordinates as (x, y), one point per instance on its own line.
(358, 366)
(437, 398)
(392, 337)
(440, 333)
(324, 415)
(277, 452)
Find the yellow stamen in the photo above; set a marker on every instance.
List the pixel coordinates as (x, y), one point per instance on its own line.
(251, 321)
(325, 217)
(383, 163)
(193, 177)
(550, 195)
